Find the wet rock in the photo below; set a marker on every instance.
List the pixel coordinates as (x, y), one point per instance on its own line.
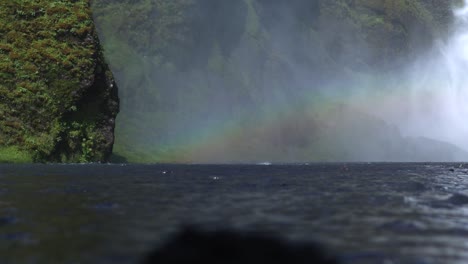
(195, 246)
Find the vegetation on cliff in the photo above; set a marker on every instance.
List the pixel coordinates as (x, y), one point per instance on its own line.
(58, 100)
(188, 67)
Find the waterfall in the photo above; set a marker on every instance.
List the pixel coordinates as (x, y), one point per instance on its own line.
(439, 88)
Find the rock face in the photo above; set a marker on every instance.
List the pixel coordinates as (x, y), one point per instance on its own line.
(58, 98)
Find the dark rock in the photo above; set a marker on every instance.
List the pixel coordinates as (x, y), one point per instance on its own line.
(194, 246)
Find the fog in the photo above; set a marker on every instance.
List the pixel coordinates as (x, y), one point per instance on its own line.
(285, 81)
(438, 106)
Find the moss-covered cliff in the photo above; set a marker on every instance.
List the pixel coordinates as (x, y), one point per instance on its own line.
(58, 99)
(188, 66)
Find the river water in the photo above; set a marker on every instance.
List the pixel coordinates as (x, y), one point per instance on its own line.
(364, 213)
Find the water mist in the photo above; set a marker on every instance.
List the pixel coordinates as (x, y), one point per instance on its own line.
(439, 88)
(309, 85)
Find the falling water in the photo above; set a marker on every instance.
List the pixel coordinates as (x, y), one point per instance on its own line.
(439, 101)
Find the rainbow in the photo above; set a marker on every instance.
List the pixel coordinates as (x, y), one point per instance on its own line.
(275, 137)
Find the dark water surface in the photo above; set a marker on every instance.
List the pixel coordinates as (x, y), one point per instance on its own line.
(365, 213)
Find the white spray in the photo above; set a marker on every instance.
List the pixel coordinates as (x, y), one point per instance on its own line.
(439, 85)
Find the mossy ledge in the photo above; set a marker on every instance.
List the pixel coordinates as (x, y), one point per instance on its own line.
(58, 98)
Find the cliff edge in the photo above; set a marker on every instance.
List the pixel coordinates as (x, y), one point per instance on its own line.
(58, 98)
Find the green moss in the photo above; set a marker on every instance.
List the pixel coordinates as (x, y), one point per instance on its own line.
(14, 155)
(165, 34)
(49, 55)
(159, 154)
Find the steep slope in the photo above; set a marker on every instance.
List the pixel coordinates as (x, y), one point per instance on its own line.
(58, 99)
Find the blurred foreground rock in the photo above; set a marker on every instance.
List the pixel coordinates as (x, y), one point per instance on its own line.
(196, 246)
